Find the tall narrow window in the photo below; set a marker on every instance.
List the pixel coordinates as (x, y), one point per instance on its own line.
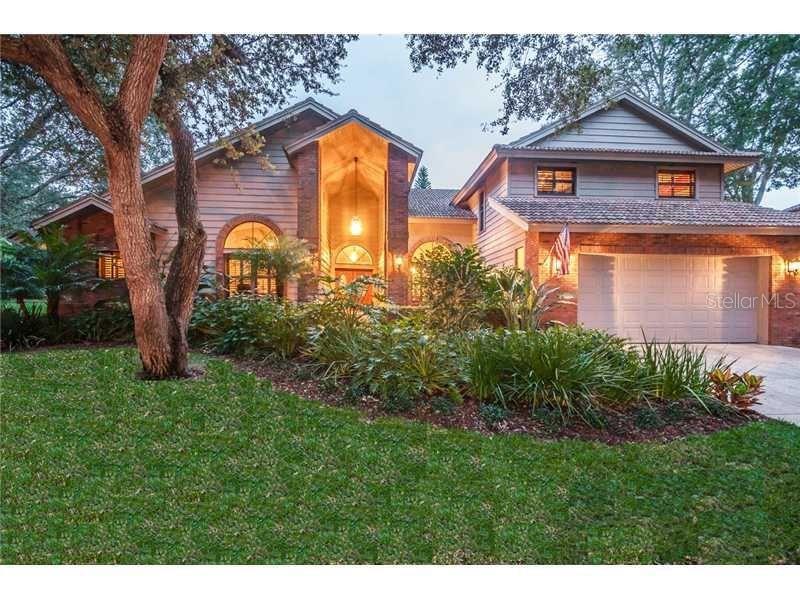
(555, 181)
(109, 266)
(519, 258)
(676, 184)
(481, 212)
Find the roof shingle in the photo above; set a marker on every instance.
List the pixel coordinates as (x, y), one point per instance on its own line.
(647, 212)
(435, 203)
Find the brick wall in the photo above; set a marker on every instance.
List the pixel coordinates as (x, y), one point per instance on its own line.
(784, 319)
(307, 165)
(397, 224)
(98, 226)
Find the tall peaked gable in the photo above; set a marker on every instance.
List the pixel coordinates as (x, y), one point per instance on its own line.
(623, 122)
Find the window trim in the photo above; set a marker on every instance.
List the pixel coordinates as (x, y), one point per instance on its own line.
(116, 265)
(554, 168)
(481, 212)
(519, 253)
(693, 173)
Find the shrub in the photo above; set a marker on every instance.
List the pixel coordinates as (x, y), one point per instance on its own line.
(396, 362)
(677, 372)
(569, 369)
(108, 322)
(246, 325)
(453, 283)
(739, 390)
(493, 413)
(20, 330)
(520, 301)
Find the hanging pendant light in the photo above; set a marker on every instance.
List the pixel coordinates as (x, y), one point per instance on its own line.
(356, 227)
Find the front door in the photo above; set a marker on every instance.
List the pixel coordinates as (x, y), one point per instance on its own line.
(348, 275)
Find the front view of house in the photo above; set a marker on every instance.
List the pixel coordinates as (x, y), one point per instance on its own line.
(655, 248)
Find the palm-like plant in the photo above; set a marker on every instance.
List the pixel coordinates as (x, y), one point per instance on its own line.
(16, 275)
(283, 257)
(523, 303)
(60, 264)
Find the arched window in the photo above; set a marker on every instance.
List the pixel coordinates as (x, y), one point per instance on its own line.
(354, 255)
(419, 252)
(240, 273)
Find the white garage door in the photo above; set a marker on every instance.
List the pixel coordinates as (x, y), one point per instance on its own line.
(677, 298)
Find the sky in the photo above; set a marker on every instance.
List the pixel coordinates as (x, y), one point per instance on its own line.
(442, 114)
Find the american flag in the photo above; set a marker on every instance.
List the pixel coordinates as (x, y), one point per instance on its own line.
(560, 251)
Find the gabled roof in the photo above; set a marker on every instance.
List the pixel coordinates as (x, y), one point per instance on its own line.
(624, 211)
(353, 116)
(85, 202)
(270, 121)
(435, 203)
(639, 104)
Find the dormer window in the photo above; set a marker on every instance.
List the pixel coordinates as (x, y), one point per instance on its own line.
(555, 181)
(676, 184)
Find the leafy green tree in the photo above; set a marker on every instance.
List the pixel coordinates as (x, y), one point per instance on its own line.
(423, 179)
(60, 264)
(743, 90)
(16, 274)
(196, 87)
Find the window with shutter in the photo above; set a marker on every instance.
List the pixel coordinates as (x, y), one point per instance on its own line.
(109, 266)
(676, 184)
(555, 181)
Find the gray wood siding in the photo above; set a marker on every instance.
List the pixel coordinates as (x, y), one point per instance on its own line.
(617, 127)
(598, 180)
(499, 239)
(224, 192)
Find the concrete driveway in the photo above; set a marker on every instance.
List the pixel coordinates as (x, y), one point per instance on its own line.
(780, 367)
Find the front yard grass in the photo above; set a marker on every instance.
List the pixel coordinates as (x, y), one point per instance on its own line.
(99, 467)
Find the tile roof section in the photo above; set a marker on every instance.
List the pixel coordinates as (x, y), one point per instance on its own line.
(647, 212)
(435, 203)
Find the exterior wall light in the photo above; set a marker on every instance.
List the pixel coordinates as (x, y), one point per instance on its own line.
(793, 266)
(356, 227)
(398, 262)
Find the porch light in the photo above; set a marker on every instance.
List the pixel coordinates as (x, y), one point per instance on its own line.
(398, 262)
(356, 228)
(793, 266)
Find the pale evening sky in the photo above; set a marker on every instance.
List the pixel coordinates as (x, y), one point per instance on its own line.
(442, 114)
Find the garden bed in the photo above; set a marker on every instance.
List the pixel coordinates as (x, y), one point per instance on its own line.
(639, 423)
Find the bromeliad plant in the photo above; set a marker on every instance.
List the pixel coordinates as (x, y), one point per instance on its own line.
(738, 390)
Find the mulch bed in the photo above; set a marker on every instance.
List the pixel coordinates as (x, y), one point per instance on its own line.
(619, 427)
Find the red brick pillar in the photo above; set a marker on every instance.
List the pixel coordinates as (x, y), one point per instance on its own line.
(532, 254)
(397, 225)
(307, 164)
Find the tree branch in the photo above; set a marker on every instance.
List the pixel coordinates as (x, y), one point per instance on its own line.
(139, 80)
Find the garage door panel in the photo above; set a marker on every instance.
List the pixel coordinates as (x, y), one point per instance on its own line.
(669, 296)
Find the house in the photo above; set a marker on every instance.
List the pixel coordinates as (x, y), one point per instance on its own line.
(654, 245)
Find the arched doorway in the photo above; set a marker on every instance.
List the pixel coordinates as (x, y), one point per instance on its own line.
(351, 262)
(243, 274)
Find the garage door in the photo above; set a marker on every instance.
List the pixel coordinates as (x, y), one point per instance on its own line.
(678, 298)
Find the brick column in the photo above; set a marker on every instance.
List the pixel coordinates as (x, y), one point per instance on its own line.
(307, 165)
(397, 225)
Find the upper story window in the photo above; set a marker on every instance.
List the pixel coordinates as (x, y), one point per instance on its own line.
(555, 181)
(109, 266)
(481, 212)
(676, 184)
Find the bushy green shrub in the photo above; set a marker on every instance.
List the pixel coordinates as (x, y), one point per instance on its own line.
(399, 363)
(20, 331)
(247, 325)
(453, 284)
(570, 369)
(677, 372)
(522, 304)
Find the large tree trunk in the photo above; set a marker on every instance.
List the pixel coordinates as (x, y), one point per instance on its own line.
(151, 323)
(187, 260)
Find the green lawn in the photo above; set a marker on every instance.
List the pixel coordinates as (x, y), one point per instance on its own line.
(98, 467)
(29, 303)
